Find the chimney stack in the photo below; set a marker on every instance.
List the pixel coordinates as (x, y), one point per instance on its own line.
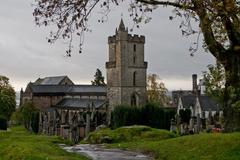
(194, 83)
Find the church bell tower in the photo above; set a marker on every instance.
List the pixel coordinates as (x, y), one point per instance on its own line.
(126, 69)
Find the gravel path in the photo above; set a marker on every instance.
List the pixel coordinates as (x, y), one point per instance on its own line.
(98, 152)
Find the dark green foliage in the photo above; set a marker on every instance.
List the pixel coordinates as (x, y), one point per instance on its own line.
(125, 116)
(185, 115)
(98, 79)
(29, 116)
(3, 123)
(7, 98)
(149, 115)
(35, 121)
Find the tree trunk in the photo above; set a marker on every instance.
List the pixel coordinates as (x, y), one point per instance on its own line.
(231, 108)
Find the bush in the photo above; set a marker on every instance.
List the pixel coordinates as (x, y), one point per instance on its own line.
(3, 123)
(149, 115)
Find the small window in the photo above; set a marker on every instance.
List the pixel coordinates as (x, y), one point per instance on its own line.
(134, 47)
(134, 59)
(134, 78)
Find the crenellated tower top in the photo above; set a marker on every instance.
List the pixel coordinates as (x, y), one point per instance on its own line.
(121, 33)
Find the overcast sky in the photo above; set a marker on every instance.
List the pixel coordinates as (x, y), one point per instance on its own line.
(26, 55)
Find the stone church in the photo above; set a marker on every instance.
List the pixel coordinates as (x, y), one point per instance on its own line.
(71, 110)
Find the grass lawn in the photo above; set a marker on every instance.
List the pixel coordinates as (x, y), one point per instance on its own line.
(18, 144)
(162, 145)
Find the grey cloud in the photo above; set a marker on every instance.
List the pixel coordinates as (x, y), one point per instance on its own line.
(26, 55)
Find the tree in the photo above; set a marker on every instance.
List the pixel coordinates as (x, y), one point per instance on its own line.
(7, 98)
(156, 91)
(29, 115)
(214, 81)
(218, 22)
(98, 79)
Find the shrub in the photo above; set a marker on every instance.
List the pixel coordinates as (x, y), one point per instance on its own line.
(3, 123)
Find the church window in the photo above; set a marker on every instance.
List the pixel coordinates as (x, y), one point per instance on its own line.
(134, 59)
(134, 47)
(134, 78)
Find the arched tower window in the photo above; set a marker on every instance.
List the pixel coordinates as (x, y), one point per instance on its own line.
(134, 47)
(134, 78)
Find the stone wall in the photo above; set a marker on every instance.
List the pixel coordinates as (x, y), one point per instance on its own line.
(44, 102)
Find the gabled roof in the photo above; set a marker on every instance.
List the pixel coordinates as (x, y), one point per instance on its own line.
(50, 80)
(208, 104)
(80, 103)
(188, 100)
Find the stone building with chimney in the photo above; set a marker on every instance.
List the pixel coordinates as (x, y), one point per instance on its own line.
(202, 107)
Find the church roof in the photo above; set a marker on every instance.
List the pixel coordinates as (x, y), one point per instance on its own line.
(56, 80)
(68, 89)
(80, 103)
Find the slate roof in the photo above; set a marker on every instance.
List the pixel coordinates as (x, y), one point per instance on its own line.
(188, 100)
(68, 89)
(50, 80)
(78, 103)
(208, 104)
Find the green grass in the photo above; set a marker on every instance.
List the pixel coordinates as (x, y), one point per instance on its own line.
(162, 145)
(18, 144)
(128, 134)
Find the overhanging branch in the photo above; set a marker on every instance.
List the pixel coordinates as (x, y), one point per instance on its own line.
(166, 3)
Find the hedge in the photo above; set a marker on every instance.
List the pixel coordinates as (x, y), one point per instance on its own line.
(149, 115)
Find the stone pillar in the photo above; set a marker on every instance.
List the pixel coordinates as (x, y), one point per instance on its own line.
(198, 127)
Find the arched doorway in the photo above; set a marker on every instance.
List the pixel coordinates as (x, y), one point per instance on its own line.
(134, 99)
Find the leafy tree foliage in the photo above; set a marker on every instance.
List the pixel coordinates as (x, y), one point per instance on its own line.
(156, 90)
(98, 79)
(214, 81)
(7, 98)
(219, 23)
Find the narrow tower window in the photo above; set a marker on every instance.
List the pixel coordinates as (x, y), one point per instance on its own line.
(134, 47)
(134, 78)
(134, 59)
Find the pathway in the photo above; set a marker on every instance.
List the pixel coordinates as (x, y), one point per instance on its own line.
(98, 152)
